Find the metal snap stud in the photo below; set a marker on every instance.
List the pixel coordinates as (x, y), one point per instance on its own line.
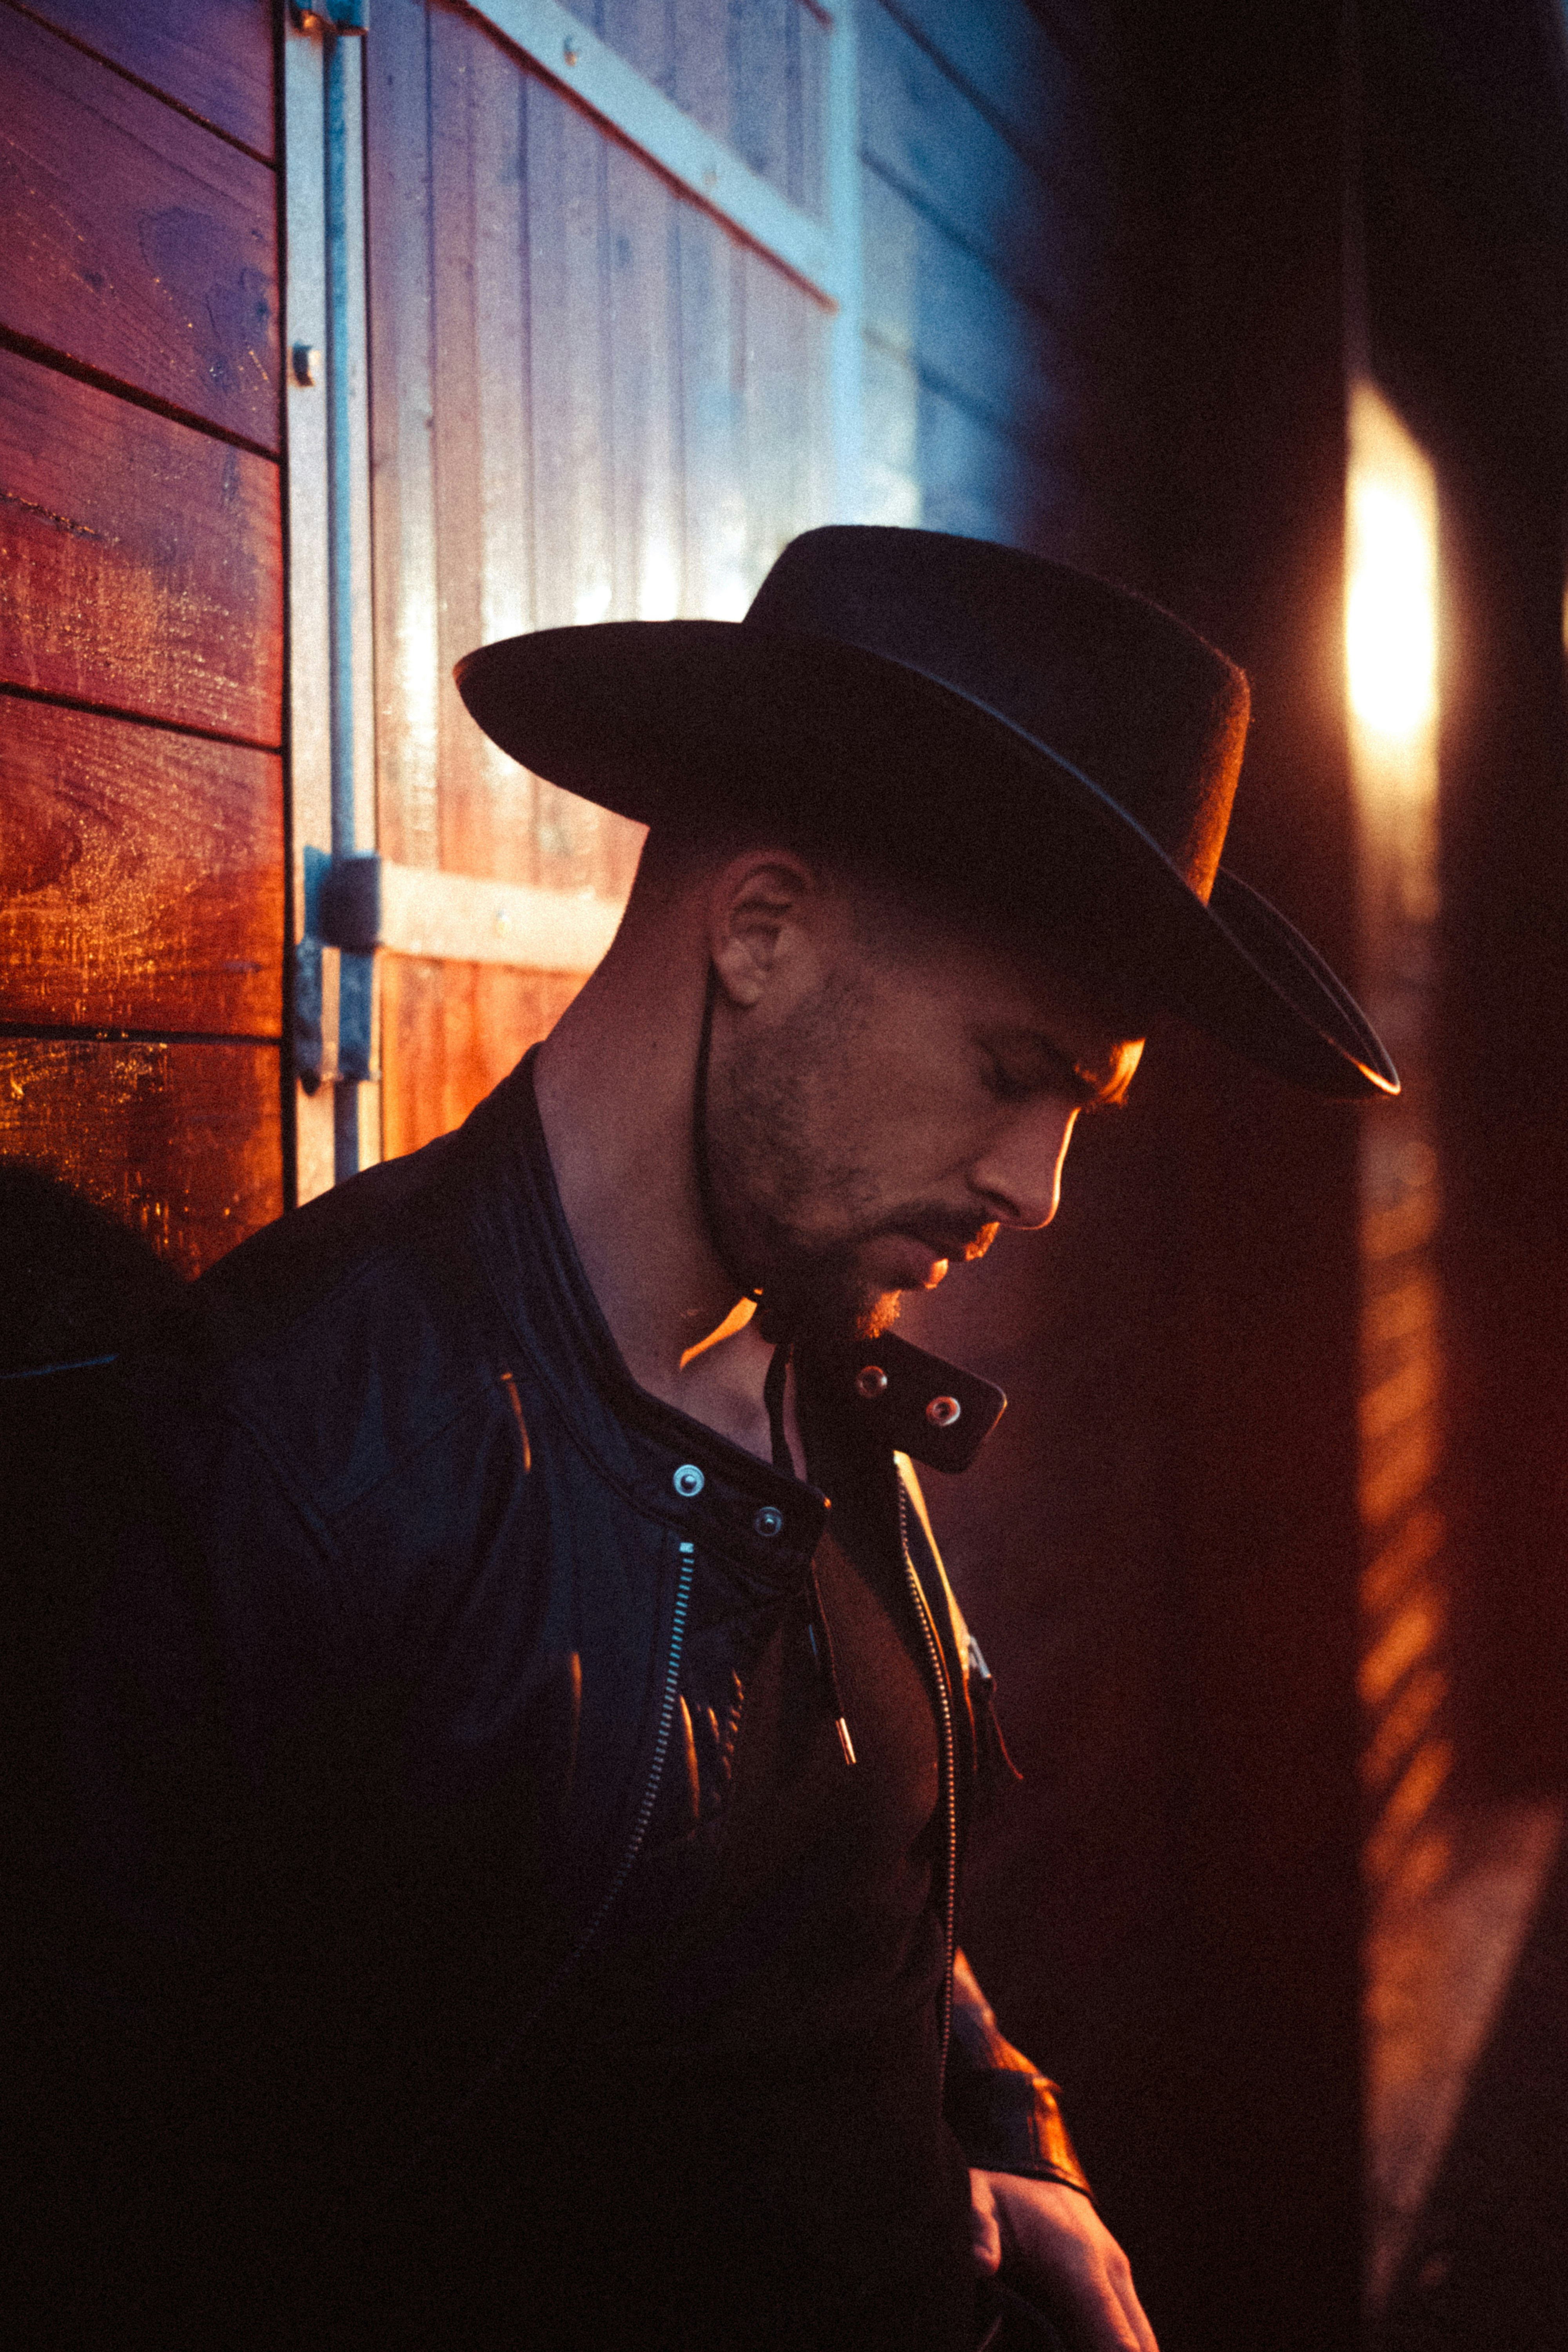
(943, 1411)
(871, 1381)
(688, 1480)
(769, 1522)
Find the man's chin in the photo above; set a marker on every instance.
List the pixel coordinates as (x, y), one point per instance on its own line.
(828, 1314)
(877, 1315)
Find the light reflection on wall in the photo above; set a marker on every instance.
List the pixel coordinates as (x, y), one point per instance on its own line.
(1392, 678)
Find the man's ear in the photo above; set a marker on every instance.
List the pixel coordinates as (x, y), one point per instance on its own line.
(765, 916)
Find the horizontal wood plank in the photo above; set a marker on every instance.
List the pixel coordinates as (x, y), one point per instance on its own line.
(1048, 87)
(137, 243)
(141, 562)
(213, 57)
(936, 464)
(934, 303)
(140, 876)
(450, 1032)
(184, 1142)
(925, 133)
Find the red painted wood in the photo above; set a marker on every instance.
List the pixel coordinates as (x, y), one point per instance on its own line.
(184, 1142)
(136, 243)
(141, 562)
(212, 56)
(140, 876)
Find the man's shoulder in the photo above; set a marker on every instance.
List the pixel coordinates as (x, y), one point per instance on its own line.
(351, 1332)
(372, 1232)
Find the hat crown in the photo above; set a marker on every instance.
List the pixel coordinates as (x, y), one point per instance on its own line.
(1152, 715)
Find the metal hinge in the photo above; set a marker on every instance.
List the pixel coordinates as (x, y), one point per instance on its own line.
(334, 991)
(329, 16)
(334, 1008)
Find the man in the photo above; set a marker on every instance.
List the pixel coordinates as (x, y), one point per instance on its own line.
(523, 1753)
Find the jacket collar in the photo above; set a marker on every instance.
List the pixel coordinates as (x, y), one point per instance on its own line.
(897, 1397)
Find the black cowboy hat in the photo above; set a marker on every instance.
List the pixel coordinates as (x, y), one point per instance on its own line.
(1058, 754)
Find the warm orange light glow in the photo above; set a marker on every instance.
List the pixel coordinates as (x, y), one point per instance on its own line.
(1391, 602)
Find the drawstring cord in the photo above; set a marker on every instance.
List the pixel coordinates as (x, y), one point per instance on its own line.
(821, 1641)
(819, 1633)
(816, 1631)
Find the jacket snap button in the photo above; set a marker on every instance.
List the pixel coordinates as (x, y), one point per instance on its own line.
(871, 1381)
(769, 1522)
(943, 1411)
(688, 1480)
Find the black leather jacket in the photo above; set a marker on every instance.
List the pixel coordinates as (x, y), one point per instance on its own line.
(414, 1656)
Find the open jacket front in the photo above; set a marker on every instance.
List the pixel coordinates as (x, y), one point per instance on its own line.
(392, 1695)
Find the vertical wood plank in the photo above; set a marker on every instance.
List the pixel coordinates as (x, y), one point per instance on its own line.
(397, 201)
(712, 300)
(480, 426)
(700, 56)
(645, 391)
(759, 62)
(504, 364)
(451, 1032)
(572, 536)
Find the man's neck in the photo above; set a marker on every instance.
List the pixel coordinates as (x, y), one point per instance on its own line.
(614, 1084)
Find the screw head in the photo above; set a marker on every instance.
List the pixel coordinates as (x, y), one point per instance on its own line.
(571, 52)
(871, 1381)
(689, 1481)
(768, 1521)
(942, 1411)
(307, 364)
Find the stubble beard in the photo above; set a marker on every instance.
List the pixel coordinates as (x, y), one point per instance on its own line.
(768, 1165)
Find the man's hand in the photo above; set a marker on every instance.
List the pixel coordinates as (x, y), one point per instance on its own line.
(1058, 2251)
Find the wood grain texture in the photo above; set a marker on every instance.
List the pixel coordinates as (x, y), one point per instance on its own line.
(140, 876)
(140, 563)
(609, 408)
(451, 1031)
(213, 57)
(932, 461)
(923, 130)
(137, 243)
(183, 1141)
(1053, 89)
(932, 303)
(755, 77)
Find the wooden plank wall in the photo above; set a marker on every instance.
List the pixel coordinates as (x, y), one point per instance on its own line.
(1466, 203)
(140, 612)
(997, 365)
(614, 410)
(753, 75)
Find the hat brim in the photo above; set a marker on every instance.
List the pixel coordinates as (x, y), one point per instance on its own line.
(662, 720)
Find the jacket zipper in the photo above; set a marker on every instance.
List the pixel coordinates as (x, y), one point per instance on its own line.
(650, 1788)
(612, 1895)
(948, 1777)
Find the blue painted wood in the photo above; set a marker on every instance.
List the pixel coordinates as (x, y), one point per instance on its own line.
(1004, 58)
(929, 139)
(935, 305)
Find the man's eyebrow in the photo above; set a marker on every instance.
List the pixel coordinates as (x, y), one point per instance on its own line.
(1084, 1087)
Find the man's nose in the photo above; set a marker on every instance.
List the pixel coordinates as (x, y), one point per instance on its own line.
(1021, 1171)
